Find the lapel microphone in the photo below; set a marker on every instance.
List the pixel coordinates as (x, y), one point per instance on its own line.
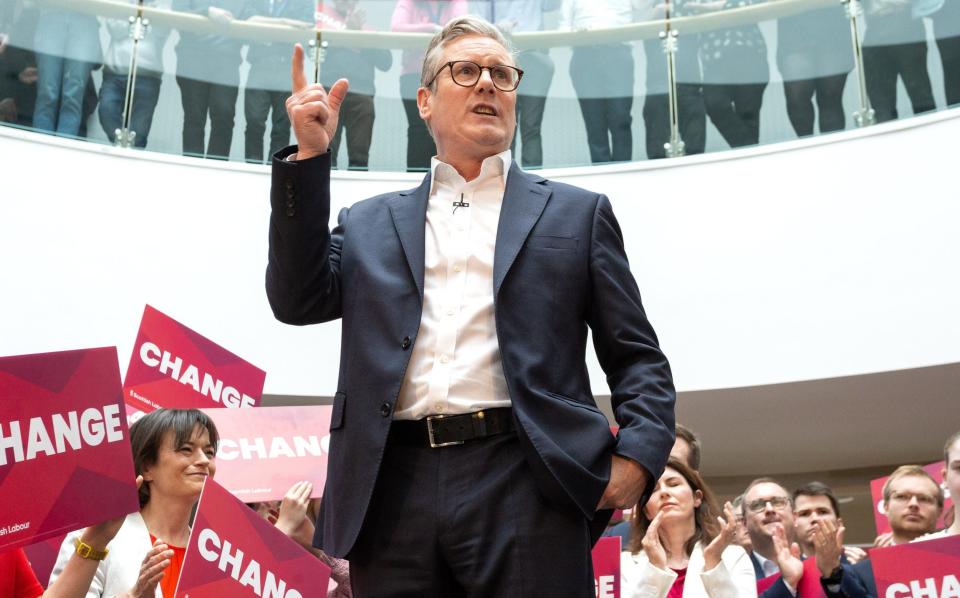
(460, 204)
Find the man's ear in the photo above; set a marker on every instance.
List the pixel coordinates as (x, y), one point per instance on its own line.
(423, 103)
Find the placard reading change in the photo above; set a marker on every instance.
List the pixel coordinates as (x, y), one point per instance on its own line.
(65, 459)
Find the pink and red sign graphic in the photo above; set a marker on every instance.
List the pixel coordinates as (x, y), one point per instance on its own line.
(606, 567)
(918, 569)
(260, 458)
(876, 490)
(234, 552)
(65, 459)
(809, 586)
(173, 366)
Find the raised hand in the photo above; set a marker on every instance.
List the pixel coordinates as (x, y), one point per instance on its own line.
(293, 510)
(652, 546)
(728, 531)
(828, 543)
(151, 570)
(787, 557)
(312, 111)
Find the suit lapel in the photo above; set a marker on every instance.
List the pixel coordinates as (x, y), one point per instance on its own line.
(409, 212)
(523, 201)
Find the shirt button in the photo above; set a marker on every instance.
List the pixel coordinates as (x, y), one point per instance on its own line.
(385, 409)
(405, 343)
(449, 312)
(456, 268)
(438, 407)
(444, 359)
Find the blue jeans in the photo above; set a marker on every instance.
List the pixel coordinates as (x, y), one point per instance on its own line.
(67, 46)
(145, 94)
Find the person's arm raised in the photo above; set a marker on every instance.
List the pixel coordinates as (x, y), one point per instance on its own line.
(313, 112)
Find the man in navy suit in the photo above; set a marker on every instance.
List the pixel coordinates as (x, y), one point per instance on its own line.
(467, 454)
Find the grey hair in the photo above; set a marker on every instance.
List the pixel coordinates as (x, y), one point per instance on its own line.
(458, 27)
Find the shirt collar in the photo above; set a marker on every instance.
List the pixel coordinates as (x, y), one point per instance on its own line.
(766, 565)
(497, 165)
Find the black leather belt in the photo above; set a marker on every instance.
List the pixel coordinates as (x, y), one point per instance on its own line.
(449, 430)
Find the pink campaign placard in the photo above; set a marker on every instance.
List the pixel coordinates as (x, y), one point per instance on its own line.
(263, 453)
(876, 491)
(65, 459)
(234, 552)
(606, 567)
(173, 366)
(928, 569)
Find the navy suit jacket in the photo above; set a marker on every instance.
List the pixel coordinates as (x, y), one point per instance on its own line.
(559, 267)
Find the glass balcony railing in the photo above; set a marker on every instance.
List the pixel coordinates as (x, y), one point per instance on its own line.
(604, 82)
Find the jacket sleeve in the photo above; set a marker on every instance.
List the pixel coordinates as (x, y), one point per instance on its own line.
(641, 385)
(643, 580)
(303, 268)
(850, 586)
(733, 577)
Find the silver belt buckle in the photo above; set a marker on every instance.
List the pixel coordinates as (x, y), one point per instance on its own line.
(433, 443)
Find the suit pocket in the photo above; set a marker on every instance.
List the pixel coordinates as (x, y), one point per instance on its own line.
(339, 403)
(588, 406)
(551, 242)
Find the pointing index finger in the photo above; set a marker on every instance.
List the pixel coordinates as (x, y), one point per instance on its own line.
(297, 78)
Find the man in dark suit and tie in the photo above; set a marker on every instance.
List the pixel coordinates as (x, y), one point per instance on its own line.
(467, 454)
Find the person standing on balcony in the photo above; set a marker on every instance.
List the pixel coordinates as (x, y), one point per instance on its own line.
(602, 77)
(208, 74)
(513, 16)
(359, 65)
(267, 80)
(67, 46)
(116, 71)
(419, 16)
(735, 74)
(895, 48)
(467, 454)
(814, 57)
(691, 112)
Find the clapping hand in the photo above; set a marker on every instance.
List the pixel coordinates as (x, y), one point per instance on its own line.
(293, 520)
(787, 557)
(652, 546)
(828, 542)
(312, 111)
(151, 570)
(728, 531)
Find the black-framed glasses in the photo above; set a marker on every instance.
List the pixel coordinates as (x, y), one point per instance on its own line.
(779, 503)
(466, 73)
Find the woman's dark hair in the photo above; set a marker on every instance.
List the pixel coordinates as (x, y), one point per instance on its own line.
(704, 516)
(148, 432)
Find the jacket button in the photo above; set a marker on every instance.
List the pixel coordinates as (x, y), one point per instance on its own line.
(385, 409)
(405, 343)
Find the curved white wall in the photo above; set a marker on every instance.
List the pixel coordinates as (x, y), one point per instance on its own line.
(811, 259)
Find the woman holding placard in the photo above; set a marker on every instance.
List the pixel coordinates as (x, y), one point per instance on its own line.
(140, 556)
(681, 547)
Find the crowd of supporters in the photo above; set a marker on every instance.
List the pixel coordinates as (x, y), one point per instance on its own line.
(681, 543)
(48, 56)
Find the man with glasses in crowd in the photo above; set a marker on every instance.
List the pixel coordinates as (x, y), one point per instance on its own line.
(913, 501)
(467, 454)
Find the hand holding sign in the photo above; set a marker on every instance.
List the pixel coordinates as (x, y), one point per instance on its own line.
(312, 111)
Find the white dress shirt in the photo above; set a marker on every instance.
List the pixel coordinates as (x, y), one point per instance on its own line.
(582, 14)
(455, 366)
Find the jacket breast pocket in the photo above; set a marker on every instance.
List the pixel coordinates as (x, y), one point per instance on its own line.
(339, 404)
(552, 242)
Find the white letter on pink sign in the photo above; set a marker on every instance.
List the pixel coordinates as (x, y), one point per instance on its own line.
(150, 354)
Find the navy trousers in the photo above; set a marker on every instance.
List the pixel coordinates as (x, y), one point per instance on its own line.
(468, 521)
